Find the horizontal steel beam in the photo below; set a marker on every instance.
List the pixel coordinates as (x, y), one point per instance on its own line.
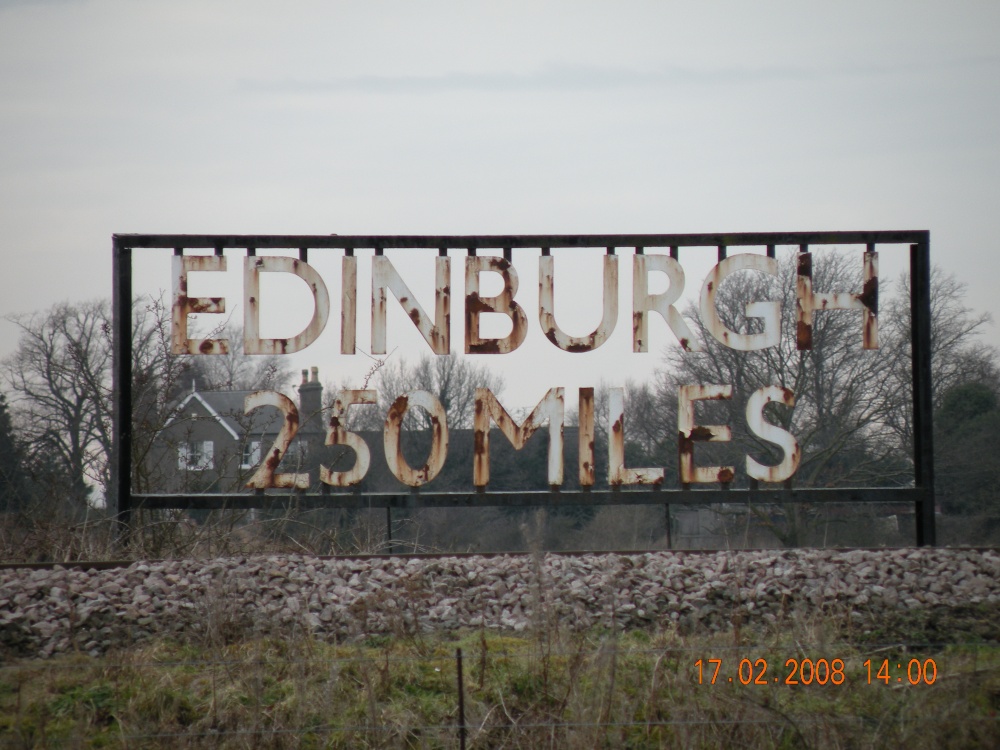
(539, 498)
(499, 242)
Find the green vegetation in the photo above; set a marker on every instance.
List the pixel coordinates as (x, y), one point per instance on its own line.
(547, 689)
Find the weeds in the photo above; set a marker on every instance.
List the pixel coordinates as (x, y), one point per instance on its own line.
(637, 690)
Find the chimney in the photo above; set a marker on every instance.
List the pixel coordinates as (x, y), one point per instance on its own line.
(310, 395)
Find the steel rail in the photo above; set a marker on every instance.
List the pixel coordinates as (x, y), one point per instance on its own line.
(116, 564)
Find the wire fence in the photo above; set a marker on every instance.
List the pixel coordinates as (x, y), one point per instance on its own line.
(502, 691)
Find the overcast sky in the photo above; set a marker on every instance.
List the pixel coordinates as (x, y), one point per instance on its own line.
(476, 118)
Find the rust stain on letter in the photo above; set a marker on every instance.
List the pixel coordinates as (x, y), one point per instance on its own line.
(618, 474)
(266, 476)
(183, 306)
(773, 434)
(551, 408)
(688, 433)
(255, 265)
(769, 311)
(349, 305)
(337, 435)
(393, 434)
(585, 448)
(644, 303)
(807, 301)
(386, 277)
(546, 313)
(503, 303)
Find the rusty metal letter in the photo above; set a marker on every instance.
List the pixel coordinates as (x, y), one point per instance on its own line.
(772, 434)
(643, 302)
(392, 438)
(617, 472)
(689, 433)
(770, 312)
(184, 305)
(586, 438)
(551, 407)
(348, 305)
(337, 435)
(546, 307)
(808, 301)
(253, 266)
(265, 476)
(503, 303)
(436, 334)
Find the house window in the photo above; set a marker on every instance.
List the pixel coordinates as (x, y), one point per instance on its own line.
(297, 452)
(251, 454)
(195, 455)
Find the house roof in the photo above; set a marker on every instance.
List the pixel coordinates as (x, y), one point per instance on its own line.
(226, 407)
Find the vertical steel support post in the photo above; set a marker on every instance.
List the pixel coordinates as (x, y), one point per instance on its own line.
(120, 497)
(461, 699)
(923, 404)
(388, 530)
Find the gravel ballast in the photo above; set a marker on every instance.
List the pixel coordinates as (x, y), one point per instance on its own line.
(49, 611)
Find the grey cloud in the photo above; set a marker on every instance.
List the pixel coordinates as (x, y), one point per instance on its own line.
(571, 78)
(551, 78)
(7, 4)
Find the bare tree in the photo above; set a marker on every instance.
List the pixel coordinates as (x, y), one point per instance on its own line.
(957, 356)
(60, 384)
(157, 377)
(451, 379)
(58, 378)
(236, 371)
(843, 397)
(852, 412)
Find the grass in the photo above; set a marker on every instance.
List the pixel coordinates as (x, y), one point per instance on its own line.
(546, 689)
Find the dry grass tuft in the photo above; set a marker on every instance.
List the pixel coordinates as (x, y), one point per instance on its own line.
(543, 689)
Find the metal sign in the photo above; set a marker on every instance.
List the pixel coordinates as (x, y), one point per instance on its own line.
(626, 485)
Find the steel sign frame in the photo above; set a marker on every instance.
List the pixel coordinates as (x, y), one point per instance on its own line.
(921, 494)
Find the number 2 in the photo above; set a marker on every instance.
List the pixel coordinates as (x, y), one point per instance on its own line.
(760, 679)
(790, 677)
(266, 477)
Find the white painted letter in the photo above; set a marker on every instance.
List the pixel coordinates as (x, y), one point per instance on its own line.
(385, 276)
(643, 302)
(809, 301)
(253, 266)
(503, 303)
(689, 432)
(551, 407)
(617, 473)
(348, 304)
(546, 306)
(184, 305)
(769, 311)
(772, 434)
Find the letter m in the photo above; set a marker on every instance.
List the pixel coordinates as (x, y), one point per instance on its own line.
(551, 407)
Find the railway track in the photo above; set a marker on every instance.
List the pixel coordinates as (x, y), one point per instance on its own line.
(115, 564)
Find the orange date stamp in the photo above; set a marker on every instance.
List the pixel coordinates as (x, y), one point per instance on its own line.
(813, 672)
